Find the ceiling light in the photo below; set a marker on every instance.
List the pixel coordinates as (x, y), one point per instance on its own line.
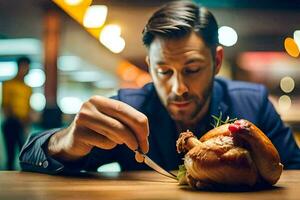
(95, 16)
(116, 45)
(227, 36)
(73, 2)
(110, 37)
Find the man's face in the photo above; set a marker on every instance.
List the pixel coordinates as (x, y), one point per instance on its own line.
(182, 71)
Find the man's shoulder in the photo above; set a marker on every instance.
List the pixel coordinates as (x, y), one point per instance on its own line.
(239, 87)
(242, 99)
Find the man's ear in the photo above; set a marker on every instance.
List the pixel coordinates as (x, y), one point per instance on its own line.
(147, 60)
(218, 58)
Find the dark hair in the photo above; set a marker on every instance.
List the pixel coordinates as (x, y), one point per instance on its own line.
(23, 59)
(177, 19)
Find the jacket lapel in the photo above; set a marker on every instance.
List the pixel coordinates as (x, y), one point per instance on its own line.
(218, 105)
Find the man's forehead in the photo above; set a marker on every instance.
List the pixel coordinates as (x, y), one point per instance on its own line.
(191, 44)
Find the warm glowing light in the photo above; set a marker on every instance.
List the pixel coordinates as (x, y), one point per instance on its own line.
(143, 79)
(73, 2)
(70, 105)
(130, 74)
(37, 101)
(116, 45)
(95, 16)
(110, 37)
(109, 31)
(284, 103)
(291, 47)
(35, 78)
(227, 36)
(287, 84)
(297, 38)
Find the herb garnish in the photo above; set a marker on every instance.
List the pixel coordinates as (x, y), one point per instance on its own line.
(218, 120)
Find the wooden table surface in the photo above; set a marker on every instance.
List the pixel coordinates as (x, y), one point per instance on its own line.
(130, 185)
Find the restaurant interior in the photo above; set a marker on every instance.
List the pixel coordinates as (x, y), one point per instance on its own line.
(81, 48)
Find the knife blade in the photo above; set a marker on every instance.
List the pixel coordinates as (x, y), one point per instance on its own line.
(156, 167)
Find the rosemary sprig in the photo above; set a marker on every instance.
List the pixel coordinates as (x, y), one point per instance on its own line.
(218, 120)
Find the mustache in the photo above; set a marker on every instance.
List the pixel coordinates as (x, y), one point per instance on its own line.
(177, 98)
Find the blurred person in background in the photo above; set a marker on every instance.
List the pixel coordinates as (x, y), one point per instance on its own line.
(16, 109)
(184, 57)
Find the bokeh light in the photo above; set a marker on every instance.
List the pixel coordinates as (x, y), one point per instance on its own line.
(35, 78)
(287, 84)
(297, 38)
(73, 2)
(284, 103)
(8, 70)
(227, 36)
(70, 105)
(95, 16)
(110, 37)
(37, 101)
(291, 47)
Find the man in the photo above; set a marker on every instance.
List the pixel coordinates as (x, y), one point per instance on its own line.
(16, 109)
(183, 58)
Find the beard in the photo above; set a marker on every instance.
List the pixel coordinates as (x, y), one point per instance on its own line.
(198, 103)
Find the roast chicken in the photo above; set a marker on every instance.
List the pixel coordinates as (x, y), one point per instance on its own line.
(233, 154)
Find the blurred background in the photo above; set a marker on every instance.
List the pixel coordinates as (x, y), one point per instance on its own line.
(79, 48)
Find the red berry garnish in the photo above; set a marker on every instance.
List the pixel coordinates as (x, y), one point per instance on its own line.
(233, 128)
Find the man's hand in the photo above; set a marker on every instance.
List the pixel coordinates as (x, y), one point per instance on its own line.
(103, 123)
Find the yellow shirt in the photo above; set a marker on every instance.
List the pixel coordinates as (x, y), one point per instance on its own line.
(16, 97)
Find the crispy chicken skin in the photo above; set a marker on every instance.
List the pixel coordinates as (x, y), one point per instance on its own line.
(231, 154)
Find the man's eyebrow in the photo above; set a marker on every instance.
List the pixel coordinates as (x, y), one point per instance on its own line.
(193, 60)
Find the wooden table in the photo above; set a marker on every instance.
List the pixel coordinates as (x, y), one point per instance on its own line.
(130, 185)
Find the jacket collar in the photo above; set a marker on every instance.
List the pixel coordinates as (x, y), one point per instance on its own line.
(217, 104)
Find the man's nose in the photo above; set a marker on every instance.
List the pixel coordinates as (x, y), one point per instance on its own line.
(178, 86)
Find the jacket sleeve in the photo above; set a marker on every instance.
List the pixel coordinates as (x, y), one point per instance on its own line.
(281, 135)
(33, 156)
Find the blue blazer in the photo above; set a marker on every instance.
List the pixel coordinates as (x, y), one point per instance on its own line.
(232, 98)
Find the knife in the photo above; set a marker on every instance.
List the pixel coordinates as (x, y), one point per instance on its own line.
(156, 167)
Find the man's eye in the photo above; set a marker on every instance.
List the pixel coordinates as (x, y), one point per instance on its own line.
(192, 71)
(165, 72)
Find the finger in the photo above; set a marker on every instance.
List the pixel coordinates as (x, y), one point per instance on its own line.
(109, 127)
(123, 112)
(92, 138)
(139, 157)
